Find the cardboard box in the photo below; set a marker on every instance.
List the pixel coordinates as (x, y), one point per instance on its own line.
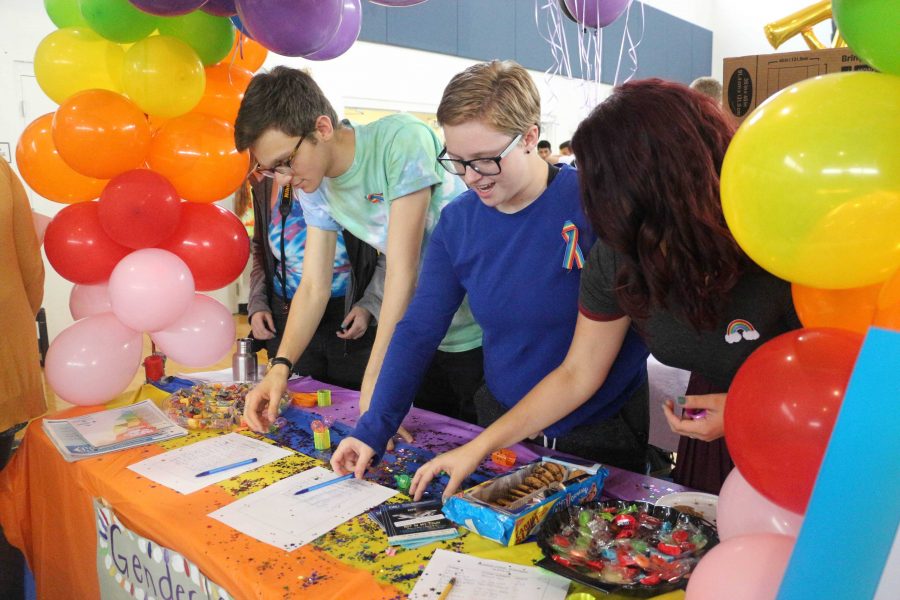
(487, 508)
(749, 80)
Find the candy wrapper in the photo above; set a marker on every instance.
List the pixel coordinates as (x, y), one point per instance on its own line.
(629, 548)
(509, 508)
(211, 405)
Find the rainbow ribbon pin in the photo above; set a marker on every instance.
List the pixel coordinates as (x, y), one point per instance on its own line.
(573, 256)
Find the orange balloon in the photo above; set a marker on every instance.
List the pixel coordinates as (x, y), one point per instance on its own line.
(245, 53)
(851, 309)
(890, 292)
(46, 172)
(889, 318)
(225, 87)
(101, 133)
(196, 154)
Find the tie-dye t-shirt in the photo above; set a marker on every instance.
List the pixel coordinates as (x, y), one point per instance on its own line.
(395, 156)
(294, 244)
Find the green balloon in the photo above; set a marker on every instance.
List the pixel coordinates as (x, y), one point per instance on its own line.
(118, 20)
(872, 30)
(210, 36)
(64, 13)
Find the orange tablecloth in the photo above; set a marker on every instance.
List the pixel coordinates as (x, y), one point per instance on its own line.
(46, 510)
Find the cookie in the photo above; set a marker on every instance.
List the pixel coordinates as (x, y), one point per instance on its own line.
(558, 470)
(534, 483)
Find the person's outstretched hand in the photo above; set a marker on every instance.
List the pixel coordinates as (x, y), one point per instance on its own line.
(352, 456)
(261, 404)
(708, 427)
(458, 463)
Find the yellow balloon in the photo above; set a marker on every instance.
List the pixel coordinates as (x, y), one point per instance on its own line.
(163, 76)
(811, 181)
(74, 59)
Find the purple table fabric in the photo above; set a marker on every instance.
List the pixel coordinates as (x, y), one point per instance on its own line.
(439, 433)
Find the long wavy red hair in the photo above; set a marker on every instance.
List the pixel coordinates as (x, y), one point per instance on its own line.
(649, 159)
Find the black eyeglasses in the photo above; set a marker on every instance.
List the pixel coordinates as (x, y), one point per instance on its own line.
(282, 168)
(482, 166)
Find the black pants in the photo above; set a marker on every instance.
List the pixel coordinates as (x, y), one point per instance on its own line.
(450, 384)
(328, 358)
(620, 440)
(12, 563)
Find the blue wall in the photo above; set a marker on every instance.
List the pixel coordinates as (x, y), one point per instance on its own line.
(485, 29)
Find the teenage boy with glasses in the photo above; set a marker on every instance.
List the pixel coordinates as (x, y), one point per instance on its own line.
(382, 183)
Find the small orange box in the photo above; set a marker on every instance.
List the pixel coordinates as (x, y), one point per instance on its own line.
(304, 399)
(503, 457)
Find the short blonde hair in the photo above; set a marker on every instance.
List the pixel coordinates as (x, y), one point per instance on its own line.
(708, 86)
(500, 93)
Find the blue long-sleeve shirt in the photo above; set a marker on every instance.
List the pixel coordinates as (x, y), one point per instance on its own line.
(521, 294)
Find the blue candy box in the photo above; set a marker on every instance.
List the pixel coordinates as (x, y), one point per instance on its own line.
(508, 509)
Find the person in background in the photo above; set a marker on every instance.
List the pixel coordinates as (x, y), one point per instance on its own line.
(513, 245)
(545, 151)
(21, 384)
(666, 264)
(340, 347)
(382, 183)
(708, 86)
(566, 156)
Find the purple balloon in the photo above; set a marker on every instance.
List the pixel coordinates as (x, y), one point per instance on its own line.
(220, 8)
(397, 2)
(597, 13)
(348, 31)
(168, 8)
(291, 27)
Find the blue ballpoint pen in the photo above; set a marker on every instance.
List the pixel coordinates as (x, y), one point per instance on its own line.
(325, 484)
(241, 463)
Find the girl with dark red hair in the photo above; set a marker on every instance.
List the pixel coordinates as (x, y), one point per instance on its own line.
(666, 265)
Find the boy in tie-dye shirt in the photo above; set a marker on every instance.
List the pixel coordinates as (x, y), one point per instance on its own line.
(381, 182)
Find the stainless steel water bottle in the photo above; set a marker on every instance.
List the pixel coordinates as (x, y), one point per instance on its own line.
(243, 363)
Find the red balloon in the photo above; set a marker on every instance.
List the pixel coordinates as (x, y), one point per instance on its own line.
(77, 246)
(213, 243)
(139, 209)
(781, 409)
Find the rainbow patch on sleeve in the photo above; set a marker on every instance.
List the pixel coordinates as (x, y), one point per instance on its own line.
(740, 329)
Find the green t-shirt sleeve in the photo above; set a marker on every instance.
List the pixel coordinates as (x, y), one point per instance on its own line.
(410, 161)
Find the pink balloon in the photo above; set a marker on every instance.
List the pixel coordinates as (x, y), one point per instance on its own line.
(93, 360)
(150, 289)
(40, 225)
(742, 510)
(87, 300)
(201, 336)
(747, 567)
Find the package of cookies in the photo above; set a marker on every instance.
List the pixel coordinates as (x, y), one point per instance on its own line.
(508, 509)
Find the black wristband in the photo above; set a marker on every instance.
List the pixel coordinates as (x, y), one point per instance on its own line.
(281, 360)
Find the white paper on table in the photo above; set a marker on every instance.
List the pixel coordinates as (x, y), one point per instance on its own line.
(177, 469)
(276, 516)
(480, 578)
